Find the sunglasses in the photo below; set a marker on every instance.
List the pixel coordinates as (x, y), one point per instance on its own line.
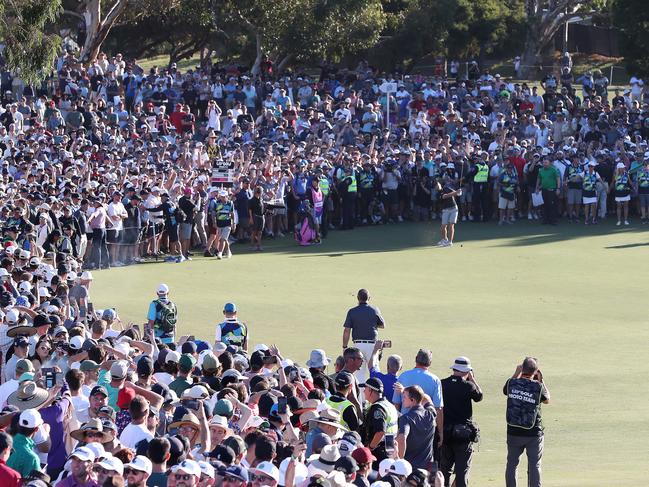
(129, 471)
(182, 476)
(230, 478)
(261, 478)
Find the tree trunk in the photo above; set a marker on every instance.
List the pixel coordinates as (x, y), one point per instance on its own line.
(284, 62)
(256, 67)
(97, 29)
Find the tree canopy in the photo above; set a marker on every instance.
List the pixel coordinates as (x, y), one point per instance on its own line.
(631, 17)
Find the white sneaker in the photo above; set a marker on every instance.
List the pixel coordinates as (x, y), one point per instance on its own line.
(470, 218)
(464, 218)
(228, 255)
(399, 218)
(442, 243)
(626, 222)
(618, 223)
(364, 221)
(536, 217)
(448, 244)
(280, 234)
(219, 255)
(529, 216)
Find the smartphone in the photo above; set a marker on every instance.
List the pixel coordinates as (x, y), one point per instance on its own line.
(387, 343)
(147, 330)
(50, 377)
(191, 404)
(281, 405)
(91, 310)
(191, 338)
(389, 443)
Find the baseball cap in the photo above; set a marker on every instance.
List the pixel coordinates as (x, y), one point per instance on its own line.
(400, 467)
(196, 392)
(141, 463)
(207, 469)
(267, 468)
(99, 390)
(232, 373)
(188, 466)
(346, 464)
(88, 365)
(119, 369)
(84, 454)
(21, 342)
(24, 365)
(76, 342)
(172, 356)
(186, 362)
(111, 463)
(384, 466)
(230, 308)
(210, 362)
(343, 379)
(363, 455)
(235, 471)
(124, 397)
(30, 418)
(374, 384)
(144, 366)
(223, 454)
(461, 364)
(223, 407)
(163, 289)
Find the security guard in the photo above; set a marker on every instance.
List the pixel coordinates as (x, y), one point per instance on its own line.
(381, 419)
(480, 174)
(349, 192)
(459, 391)
(345, 402)
(231, 331)
(525, 393)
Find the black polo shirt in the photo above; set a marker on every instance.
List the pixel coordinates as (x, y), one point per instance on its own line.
(458, 395)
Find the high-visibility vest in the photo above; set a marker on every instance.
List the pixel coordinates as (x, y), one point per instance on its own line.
(352, 187)
(392, 416)
(482, 176)
(340, 407)
(324, 186)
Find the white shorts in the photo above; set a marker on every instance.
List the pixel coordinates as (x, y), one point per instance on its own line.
(590, 200)
(224, 232)
(621, 199)
(505, 204)
(449, 216)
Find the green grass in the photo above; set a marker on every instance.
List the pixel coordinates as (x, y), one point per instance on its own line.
(162, 61)
(573, 296)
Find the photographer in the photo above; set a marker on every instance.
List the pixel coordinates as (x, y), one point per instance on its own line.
(525, 392)
(459, 390)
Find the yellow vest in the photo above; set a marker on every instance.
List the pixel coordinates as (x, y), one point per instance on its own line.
(482, 176)
(340, 407)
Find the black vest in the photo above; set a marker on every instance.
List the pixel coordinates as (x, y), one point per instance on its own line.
(523, 403)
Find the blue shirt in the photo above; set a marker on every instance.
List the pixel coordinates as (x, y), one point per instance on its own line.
(430, 383)
(388, 382)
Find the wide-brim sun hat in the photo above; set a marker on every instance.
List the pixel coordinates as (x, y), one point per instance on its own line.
(28, 396)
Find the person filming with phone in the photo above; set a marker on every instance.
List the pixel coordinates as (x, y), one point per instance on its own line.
(525, 392)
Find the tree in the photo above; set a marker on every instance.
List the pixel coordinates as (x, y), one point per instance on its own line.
(28, 45)
(544, 19)
(631, 17)
(98, 20)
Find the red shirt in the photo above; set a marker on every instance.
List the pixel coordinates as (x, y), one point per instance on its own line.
(519, 164)
(8, 476)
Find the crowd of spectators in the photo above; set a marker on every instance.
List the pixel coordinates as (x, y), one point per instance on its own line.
(106, 164)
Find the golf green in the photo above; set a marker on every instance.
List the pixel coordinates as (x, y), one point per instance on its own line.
(571, 295)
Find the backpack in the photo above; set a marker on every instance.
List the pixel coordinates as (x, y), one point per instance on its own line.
(168, 316)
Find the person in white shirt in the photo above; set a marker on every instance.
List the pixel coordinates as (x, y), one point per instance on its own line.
(22, 367)
(74, 380)
(136, 430)
(114, 227)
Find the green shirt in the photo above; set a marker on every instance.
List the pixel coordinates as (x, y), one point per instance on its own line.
(113, 392)
(23, 458)
(548, 177)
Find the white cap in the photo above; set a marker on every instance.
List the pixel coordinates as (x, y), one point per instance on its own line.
(219, 421)
(207, 469)
(384, 466)
(12, 316)
(172, 356)
(43, 292)
(620, 165)
(86, 276)
(267, 468)
(188, 466)
(163, 289)
(195, 392)
(112, 464)
(401, 467)
(141, 463)
(76, 342)
(30, 418)
(3, 272)
(84, 454)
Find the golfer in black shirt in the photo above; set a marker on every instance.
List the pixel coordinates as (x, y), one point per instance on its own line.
(459, 390)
